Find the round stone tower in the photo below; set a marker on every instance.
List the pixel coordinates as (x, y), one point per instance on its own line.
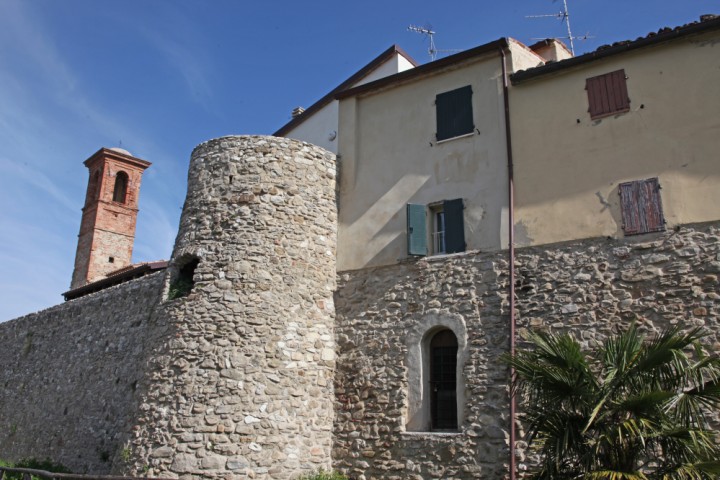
(244, 386)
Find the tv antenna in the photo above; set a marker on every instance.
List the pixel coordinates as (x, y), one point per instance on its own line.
(429, 33)
(564, 16)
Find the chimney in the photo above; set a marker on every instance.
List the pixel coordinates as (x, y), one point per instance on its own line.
(297, 111)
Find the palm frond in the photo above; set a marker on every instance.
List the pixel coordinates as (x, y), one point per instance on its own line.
(631, 409)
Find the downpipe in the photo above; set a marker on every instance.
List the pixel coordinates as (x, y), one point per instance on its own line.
(511, 254)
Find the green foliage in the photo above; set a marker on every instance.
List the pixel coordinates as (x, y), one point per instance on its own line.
(183, 284)
(632, 409)
(180, 288)
(34, 464)
(28, 343)
(323, 475)
(125, 454)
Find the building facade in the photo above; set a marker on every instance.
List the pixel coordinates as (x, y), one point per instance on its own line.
(350, 312)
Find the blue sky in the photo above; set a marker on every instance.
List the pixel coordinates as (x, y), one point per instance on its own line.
(157, 77)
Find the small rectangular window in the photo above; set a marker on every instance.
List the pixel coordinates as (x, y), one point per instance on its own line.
(641, 207)
(437, 232)
(454, 114)
(442, 231)
(607, 94)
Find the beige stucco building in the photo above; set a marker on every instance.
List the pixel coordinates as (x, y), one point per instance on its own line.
(318, 123)
(570, 161)
(639, 116)
(393, 152)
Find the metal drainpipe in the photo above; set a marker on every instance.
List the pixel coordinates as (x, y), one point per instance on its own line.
(511, 254)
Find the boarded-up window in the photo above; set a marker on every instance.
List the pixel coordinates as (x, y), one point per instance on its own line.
(454, 114)
(607, 94)
(641, 207)
(445, 226)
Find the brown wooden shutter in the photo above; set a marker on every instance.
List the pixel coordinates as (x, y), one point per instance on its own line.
(641, 207)
(607, 94)
(652, 204)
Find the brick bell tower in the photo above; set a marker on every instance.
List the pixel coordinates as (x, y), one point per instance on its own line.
(107, 229)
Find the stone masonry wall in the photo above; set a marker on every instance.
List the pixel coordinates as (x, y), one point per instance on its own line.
(70, 373)
(242, 387)
(592, 288)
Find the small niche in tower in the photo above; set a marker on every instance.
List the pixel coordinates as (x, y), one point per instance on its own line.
(183, 283)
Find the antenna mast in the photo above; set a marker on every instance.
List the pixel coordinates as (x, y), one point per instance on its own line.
(432, 51)
(564, 16)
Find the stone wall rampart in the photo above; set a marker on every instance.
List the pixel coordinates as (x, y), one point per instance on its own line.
(591, 288)
(70, 374)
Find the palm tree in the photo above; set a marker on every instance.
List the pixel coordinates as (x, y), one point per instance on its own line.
(631, 409)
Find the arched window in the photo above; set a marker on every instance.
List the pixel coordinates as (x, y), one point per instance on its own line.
(436, 353)
(443, 387)
(121, 184)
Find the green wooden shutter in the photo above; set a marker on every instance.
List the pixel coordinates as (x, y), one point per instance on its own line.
(416, 230)
(453, 112)
(454, 225)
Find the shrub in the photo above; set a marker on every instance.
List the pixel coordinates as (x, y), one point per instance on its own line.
(35, 464)
(323, 475)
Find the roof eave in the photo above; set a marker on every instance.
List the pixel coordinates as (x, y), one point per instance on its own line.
(655, 39)
(112, 280)
(425, 69)
(356, 77)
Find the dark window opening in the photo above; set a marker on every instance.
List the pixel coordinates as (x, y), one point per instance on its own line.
(641, 207)
(120, 190)
(184, 282)
(443, 387)
(111, 259)
(453, 111)
(607, 94)
(93, 188)
(445, 225)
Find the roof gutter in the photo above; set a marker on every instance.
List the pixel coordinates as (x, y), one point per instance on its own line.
(511, 253)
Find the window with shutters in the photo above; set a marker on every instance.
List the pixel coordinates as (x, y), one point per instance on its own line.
(607, 94)
(641, 207)
(436, 228)
(453, 111)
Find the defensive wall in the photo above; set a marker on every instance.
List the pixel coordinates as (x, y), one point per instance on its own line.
(592, 288)
(234, 377)
(70, 375)
(268, 369)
